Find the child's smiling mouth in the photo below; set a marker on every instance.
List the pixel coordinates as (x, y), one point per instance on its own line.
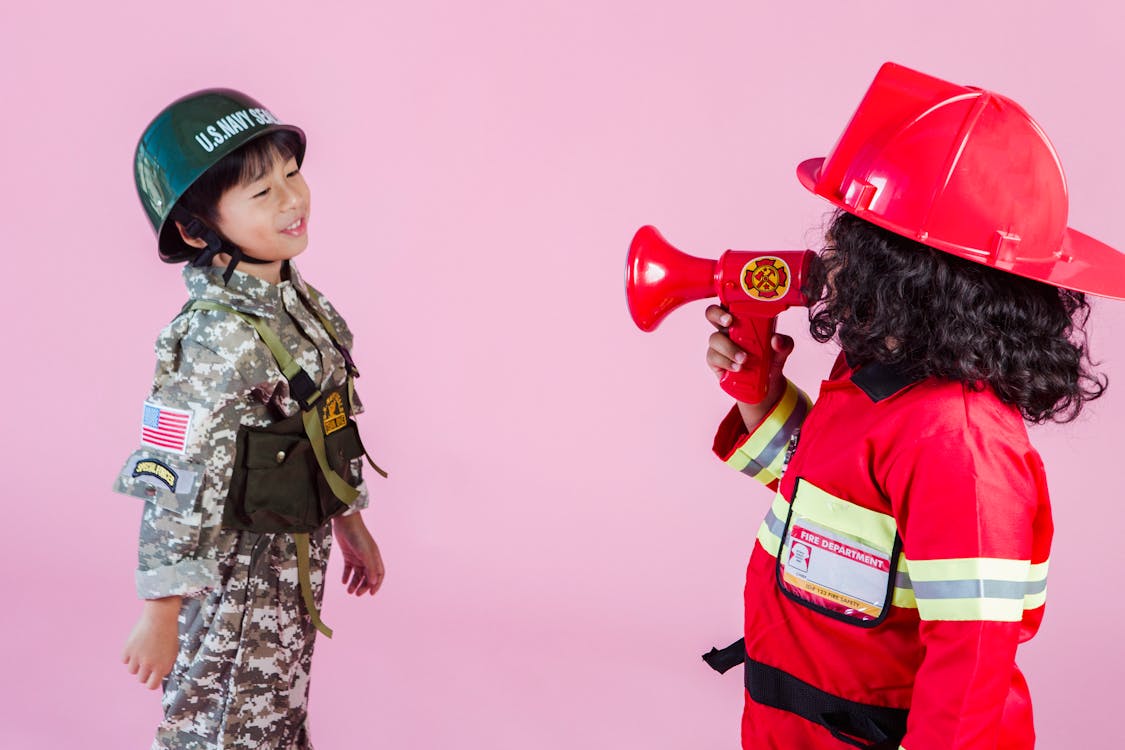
(297, 228)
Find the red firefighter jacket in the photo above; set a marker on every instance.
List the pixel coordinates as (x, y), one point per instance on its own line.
(903, 559)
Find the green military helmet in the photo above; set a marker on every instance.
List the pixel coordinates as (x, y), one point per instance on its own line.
(190, 136)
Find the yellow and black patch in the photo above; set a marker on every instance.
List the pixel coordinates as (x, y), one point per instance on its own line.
(335, 418)
(150, 467)
(766, 278)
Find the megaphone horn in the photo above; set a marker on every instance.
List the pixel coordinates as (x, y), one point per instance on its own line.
(659, 278)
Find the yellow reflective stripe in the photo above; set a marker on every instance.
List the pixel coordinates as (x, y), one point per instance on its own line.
(768, 442)
(962, 610)
(768, 539)
(975, 588)
(818, 506)
(1037, 583)
(773, 422)
(773, 471)
(903, 595)
(775, 519)
(904, 598)
(970, 568)
(738, 461)
(1038, 571)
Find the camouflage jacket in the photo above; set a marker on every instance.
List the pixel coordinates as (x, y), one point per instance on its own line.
(213, 373)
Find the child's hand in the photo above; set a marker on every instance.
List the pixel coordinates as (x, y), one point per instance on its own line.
(723, 354)
(150, 650)
(362, 561)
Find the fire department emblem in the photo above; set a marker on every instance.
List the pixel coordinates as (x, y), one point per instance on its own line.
(765, 278)
(334, 416)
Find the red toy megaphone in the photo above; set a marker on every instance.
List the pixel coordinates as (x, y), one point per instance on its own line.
(755, 287)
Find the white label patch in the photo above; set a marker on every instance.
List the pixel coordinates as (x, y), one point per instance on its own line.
(830, 570)
(231, 125)
(164, 428)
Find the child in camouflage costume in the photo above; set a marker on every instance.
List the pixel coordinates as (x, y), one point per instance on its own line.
(226, 623)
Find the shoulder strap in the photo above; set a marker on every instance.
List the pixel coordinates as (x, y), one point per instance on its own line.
(301, 386)
(315, 303)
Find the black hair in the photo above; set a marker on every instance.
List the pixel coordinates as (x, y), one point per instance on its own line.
(888, 299)
(245, 164)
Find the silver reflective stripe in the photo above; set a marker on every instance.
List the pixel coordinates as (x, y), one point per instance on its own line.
(972, 588)
(780, 441)
(774, 524)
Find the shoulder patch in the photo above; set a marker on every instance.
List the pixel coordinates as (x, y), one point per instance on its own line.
(165, 428)
(158, 470)
(161, 479)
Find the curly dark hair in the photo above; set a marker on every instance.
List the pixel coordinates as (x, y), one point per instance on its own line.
(888, 299)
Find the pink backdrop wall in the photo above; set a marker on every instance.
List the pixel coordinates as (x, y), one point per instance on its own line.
(560, 544)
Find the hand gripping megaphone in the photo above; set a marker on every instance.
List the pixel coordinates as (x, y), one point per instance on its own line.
(755, 287)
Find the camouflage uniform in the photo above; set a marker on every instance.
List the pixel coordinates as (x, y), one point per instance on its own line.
(241, 679)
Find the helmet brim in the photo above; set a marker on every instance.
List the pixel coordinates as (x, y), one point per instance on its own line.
(1083, 264)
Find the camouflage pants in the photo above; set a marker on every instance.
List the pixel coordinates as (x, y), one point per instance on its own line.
(241, 679)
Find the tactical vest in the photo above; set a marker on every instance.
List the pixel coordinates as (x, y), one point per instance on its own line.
(294, 475)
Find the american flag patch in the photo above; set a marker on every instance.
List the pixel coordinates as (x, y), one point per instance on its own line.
(164, 428)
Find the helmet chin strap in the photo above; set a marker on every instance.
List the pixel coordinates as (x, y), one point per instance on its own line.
(216, 244)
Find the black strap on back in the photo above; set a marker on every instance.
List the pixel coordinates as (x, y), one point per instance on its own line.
(857, 724)
(723, 660)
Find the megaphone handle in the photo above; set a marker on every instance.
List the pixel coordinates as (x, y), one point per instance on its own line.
(753, 336)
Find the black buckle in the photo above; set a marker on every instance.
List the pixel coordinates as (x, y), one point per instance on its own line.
(303, 390)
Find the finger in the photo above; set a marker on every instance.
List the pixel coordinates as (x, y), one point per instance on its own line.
(154, 680)
(134, 665)
(357, 577)
(721, 343)
(380, 575)
(718, 316)
(719, 363)
(782, 346)
(347, 572)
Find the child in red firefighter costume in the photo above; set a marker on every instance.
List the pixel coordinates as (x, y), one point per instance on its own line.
(905, 553)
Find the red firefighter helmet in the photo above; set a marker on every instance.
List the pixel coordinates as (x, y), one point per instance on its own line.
(965, 171)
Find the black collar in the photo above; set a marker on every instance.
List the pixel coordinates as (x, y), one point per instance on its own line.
(880, 381)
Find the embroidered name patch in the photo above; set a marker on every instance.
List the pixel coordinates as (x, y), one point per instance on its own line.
(334, 416)
(152, 468)
(165, 428)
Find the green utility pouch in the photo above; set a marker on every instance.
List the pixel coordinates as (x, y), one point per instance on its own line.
(277, 485)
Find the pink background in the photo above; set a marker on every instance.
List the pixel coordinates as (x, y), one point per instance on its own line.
(561, 545)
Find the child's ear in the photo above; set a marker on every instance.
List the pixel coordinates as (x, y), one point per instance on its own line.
(188, 239)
